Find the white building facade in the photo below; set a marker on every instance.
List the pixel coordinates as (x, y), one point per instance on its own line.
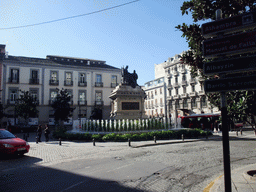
(184, 95)
(88, 81)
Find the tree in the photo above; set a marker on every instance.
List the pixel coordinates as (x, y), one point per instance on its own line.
(241, 104)
(61, 106)
(25, 106)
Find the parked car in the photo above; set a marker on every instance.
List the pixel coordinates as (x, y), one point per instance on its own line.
(10, 144)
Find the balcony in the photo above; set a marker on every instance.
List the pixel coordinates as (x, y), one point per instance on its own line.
(34, 81)
(192, 94)
(169, 86)
(51, 101)
(184, 82)
(82, 84)
(113, 85)
(82, 102)
(201, 93)
(98, 84)
(10, 102)
(183, 70)
(184, 95)
(169, 75)
(54, 82)
(12, 80)
(68, 83)
(99, 103)
(169, 97)
(175, 73)
(192, 81)
(176, 85)
(176, 96)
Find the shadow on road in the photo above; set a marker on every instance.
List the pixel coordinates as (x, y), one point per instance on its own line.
(39, 178)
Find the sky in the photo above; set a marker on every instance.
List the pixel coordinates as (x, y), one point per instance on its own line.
(139, 34)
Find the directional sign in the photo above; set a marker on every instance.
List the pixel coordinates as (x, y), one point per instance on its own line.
(230, 45)
(231, 24)
(240, 64)
(230, 84)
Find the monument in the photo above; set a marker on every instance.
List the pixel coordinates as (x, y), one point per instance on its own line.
(128, 98)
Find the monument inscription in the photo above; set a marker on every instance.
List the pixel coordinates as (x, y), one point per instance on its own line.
(130, 106)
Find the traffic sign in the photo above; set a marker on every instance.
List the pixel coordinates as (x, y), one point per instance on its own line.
(234, 65)
(230, 84)
(230, 45)
(228, 25)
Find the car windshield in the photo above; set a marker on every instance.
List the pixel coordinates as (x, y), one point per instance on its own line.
(6, 134)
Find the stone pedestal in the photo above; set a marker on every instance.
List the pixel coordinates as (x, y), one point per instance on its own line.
(127, 102)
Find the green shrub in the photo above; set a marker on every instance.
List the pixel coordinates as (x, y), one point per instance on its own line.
(97, 137)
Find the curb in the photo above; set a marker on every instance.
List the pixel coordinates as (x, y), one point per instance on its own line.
(211, 184)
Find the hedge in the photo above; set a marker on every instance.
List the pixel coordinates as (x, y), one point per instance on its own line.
(160, 135)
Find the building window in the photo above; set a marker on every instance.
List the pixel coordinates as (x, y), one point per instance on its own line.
(161, 102)
(185, 103)
(193, 103)
(53, 95)
(98, 98)
(177, 91)
(70, 93)
(82, 80)
(161, 91)
(98, 82)
(203, 101)
(184, 89)
(184, 77)
(82, 97)
(152, 95)
(13, 96)
(176, 79)
(34, 78)
(170, 93)
(14, 76)
(113, 81)
(156, 103)
(155, 92)
(177, 105)
(192, 88)
(202, 86)
(68, 79)
(54, 80)
(35, 95)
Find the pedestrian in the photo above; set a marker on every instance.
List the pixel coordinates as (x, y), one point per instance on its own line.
(46, 133)
(39, 132)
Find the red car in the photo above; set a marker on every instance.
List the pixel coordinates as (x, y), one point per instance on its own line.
(10, 144)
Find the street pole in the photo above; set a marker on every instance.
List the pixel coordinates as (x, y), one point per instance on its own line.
(225, 143)
(225, 130)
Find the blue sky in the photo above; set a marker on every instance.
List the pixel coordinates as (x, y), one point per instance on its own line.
(139, 34)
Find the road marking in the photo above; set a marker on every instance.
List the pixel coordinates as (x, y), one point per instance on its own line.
(73, 186)
(208, 188)
(120, 167)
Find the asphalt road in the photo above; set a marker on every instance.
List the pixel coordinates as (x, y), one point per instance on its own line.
(117, 167)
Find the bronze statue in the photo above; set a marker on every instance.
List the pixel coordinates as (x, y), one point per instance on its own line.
(129, 78)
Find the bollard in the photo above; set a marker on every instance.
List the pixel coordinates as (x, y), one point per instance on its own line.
(237, 133)
(241, 131)
(129, 142)
(37, 139)
(182, 137)
(24, 136)
(155, 139)
(93, 142)
(59, 141)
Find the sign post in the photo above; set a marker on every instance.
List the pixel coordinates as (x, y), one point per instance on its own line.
(220, 46)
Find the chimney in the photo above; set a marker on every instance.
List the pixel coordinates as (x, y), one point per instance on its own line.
(2, 51)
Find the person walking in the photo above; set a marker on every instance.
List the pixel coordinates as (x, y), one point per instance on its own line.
(46, 133)
(39, 132)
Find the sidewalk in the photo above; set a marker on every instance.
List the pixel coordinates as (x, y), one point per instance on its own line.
(240, 180)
